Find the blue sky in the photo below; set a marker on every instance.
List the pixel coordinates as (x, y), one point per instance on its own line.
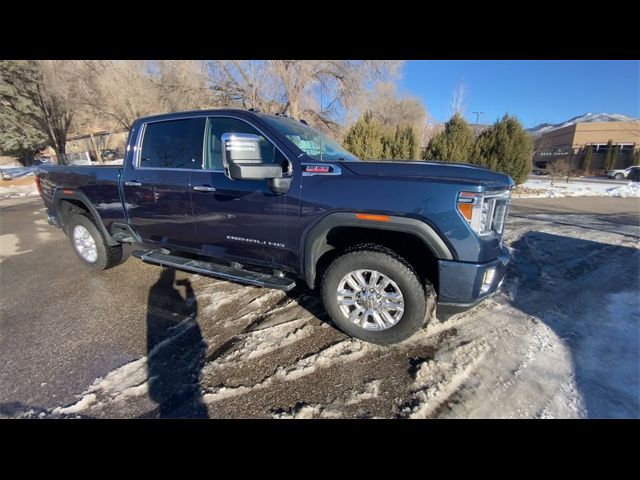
(534, 91)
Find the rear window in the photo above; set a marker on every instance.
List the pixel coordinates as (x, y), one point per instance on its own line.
(173, 144)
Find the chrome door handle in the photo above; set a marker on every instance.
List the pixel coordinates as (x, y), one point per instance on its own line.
(133, 184)
(204, 188)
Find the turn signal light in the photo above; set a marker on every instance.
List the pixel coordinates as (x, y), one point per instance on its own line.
(466, 209)
(375, 218)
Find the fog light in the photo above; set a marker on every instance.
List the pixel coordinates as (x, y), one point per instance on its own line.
(487, 279)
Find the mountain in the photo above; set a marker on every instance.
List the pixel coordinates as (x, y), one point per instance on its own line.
(587, 117)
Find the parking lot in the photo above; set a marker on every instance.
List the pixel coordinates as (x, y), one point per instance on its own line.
(561, 339)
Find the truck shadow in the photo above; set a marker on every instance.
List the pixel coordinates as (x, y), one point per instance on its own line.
(587, 293)
(175, 349)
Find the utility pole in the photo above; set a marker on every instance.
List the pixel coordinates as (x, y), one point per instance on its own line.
(478, 116)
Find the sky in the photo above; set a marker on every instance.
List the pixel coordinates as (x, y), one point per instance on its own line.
(534, 91)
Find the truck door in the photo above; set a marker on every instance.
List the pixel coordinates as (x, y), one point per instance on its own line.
(156, 187)
(244, 220)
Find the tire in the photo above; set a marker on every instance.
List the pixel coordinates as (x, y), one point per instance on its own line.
(105, 255)
(618, 176)
(395, 268)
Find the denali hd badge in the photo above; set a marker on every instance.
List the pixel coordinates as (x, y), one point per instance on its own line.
(253, 240)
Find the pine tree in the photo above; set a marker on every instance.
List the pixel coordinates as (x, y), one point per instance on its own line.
(455, 144)
(586, 161)
(608, 160)
(404, 145)
(369, 140)
(614, 155)
(365, 138)
(505, 147)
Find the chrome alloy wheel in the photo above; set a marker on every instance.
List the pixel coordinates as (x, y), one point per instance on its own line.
(370, 299)
(84, 244)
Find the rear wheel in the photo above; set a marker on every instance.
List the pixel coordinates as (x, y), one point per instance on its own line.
(90, 246)
(374, 295)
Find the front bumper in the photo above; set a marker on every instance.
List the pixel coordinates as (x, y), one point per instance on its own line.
(460, 285)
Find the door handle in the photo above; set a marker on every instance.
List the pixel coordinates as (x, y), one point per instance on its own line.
(133, 184)
(204, 188)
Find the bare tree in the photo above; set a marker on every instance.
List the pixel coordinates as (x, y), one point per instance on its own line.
(246, 84)
(324, 92)
(557, 168)
(458, 102)
(41, 95)
(121, 91)
(393, 110)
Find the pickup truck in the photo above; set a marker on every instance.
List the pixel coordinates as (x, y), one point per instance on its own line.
(267, 200)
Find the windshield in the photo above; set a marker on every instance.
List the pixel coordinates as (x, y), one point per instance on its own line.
(315, 144)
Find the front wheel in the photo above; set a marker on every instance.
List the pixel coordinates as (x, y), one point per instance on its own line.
(618, 176)
(374, 295)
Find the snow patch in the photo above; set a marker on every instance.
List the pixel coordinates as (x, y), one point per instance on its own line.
(544, 189)
(18, 191)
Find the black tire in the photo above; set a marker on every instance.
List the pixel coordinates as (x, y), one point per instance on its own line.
(397, 269)
(108, 256)
(618, 176)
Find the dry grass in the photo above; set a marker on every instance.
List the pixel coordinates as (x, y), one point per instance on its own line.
(18, 181)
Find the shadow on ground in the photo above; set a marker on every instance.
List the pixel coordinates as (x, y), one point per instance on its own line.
(174, 366)
(587, 293)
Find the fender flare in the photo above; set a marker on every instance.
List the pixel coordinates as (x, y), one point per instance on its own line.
(78, 196)
(315, 244)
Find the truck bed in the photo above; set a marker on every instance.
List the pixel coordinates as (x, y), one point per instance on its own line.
(98, 183)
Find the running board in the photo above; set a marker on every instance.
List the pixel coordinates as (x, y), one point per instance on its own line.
(215, 270)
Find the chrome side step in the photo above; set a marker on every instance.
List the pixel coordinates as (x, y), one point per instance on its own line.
(215, 270)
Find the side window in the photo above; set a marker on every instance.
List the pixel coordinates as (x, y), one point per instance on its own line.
(173, 144)
(219, 126)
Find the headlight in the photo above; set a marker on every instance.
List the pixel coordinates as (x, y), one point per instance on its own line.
(485, 212)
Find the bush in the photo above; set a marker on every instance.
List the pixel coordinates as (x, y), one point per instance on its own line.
(505, 147)
(369, 140)
(455, 144)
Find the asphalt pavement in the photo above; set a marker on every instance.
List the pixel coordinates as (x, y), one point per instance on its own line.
(63, 326)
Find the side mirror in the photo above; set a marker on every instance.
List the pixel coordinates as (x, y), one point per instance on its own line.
(242, 159)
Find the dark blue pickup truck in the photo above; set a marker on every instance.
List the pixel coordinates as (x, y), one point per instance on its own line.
(267, 200)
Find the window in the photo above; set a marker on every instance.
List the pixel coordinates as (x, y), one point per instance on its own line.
(310, 141)
(219, 126)
(173, 144)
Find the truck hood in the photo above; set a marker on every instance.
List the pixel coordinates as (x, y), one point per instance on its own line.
(435, 171)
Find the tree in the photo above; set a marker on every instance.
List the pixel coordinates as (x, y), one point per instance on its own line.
(455, 144)
(505, 147)
(19, 139)
(404, 144)
(458, 103)
(557, 168)
(586, 161)
(366, 139)
(609, 159)
(636, 156)
(121, 91)
(326, 93)
(41, 96)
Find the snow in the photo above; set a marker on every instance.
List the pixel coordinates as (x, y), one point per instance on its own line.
(575, 188)
(586, 118)
(560, 340)
(18, 191)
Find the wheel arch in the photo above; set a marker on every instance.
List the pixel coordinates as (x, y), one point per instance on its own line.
(337, 230)
(78, 199)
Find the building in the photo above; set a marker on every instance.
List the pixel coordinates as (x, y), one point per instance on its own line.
(571, 143)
